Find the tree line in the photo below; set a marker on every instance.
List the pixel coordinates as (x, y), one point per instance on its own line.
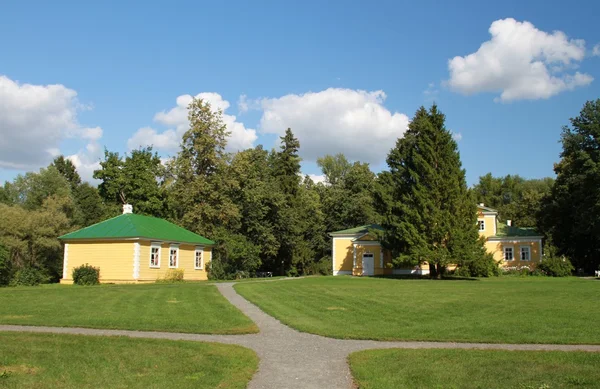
(265, 216)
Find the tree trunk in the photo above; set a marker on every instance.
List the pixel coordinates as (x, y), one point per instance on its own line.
(432, 271)
(439, 271)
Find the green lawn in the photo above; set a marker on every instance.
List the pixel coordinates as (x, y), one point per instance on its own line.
(184, 307)
(500, 310)
(396, 368)
(72, 361)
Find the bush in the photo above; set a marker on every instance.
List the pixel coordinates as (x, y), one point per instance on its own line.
(28, 276)
(485, 266)
(4, 266)
(173, 275)
(86, 275)
(322, 267)
(556, 267)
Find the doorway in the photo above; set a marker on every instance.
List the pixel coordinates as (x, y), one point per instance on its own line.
(368, 264)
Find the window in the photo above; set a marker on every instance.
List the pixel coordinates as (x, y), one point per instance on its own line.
(508, 254)
(525, 253)
(198, 260)
(173, 256)
(481, 224)
(155, 255)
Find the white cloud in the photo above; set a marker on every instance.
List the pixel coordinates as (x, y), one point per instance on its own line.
(596, 50)
(457, 136)
(353, 122)
(176, 119)
(317, 178)
(520, 62)
(34, 119)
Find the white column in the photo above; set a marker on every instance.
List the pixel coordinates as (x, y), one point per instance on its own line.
(354, 257)
(136, 260)
(66, 261)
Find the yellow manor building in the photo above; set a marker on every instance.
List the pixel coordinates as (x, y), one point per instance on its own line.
(136, 248)
(357, 252)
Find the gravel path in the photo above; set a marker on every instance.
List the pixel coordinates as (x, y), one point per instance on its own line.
(292, 359)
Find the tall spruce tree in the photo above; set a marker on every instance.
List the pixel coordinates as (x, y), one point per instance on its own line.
(429, 215)
(571, 214)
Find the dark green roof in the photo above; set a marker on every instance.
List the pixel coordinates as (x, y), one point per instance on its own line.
(358, 230)
(486, 209)
(138, 226)
(503, 231)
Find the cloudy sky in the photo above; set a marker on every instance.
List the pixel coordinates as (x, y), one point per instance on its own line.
(345, 76)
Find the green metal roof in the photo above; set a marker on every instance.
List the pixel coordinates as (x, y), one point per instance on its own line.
(503, 231)
(137, 226)
(358, 230)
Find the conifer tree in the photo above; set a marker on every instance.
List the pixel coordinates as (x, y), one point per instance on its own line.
(428, 213)
(571, 214)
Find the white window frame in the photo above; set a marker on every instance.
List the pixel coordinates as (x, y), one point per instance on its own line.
(481, 225)
(528, 253)
(176, 247)
(199, 249)
(154, 246)
(512, 249)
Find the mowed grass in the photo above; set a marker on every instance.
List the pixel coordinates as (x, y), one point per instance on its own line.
(395, 368)
(500, 310)
(184, 307)
(75, 361)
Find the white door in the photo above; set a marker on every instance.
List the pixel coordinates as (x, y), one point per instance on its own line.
(368, 264)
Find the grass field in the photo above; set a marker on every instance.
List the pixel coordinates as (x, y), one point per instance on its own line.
(500, 310)
(394, 368)
(71, 361)
(185, 307)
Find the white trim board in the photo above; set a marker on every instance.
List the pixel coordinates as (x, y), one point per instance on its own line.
(531, 239)
(66, 261)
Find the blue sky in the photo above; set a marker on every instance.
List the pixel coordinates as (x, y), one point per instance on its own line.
(346, 76)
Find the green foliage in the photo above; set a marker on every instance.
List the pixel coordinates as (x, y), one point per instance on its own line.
(334, 168)
(429, 215)
(28, 276)
(136, 179)
(4, 266)
(86, 275)
(322, 267)
(481, 266)
(571, 215)
(199, 193)
(66, 168)
(173, 275)
(516, 198)
(556, 267)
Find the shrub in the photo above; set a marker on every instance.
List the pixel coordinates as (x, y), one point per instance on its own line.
(86, 275)
(173, 275)
(322, 267)
(28, 276)
(556, 267)
(4, 266)
(484, 266)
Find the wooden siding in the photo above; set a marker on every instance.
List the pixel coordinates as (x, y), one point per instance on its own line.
(115, 259)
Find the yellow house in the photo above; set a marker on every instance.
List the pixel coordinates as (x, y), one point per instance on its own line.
(357, 252)
(136, 248)
(511, 246)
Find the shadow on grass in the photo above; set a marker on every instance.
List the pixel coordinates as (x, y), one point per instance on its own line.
(423, 277)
